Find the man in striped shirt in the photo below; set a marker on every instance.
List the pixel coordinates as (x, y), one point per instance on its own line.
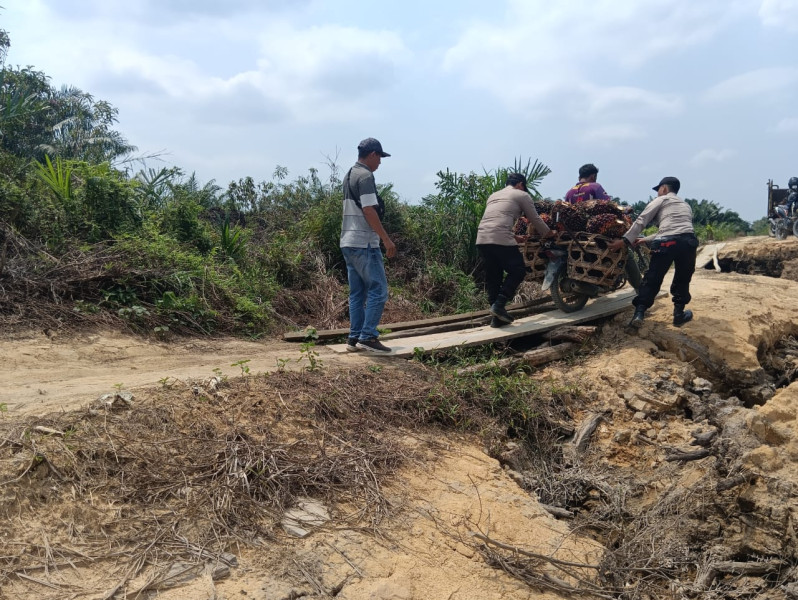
(361, 232)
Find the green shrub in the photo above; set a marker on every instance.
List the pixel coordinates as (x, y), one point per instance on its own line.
(180, 220)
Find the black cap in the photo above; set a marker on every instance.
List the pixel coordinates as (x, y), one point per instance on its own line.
(671, 182)
(370, 145)
(513, 179)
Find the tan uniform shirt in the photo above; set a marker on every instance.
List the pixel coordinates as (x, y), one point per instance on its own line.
(669, 212)
(502, 211)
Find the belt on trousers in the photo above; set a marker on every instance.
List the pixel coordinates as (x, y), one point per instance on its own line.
(669, 238)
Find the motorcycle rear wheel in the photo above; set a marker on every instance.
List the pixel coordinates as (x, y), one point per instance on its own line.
(782, 229)
(795, 228)
(567, 302)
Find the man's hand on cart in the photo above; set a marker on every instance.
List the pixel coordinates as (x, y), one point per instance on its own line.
(617, 244)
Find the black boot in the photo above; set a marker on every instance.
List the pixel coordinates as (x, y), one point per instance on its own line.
(681, 316)
(637, 319)
(498, 311)
(495, 322)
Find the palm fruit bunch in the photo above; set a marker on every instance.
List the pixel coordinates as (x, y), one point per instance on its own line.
(591, 208)
(543, 206)
(568, 217)
(546, 218)
(521, 226)
(607, 224)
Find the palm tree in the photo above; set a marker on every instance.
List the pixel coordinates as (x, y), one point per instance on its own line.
(82, 128)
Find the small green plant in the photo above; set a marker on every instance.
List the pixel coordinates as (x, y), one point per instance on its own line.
(167, 382)
(242, 364)
(57, 176)
(311, 334)
(118, 386)
(418, 354)
(85, 308)
(133, 312)
(232, 240)
(281, 363)
(308, 351)
(3, 407)
(375, 368)
(220, 374)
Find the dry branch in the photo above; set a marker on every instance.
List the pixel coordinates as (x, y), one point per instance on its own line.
(532, 358)
(558, 512)
(707, 575)
(187, 479)
(733, 482)
(679, 454)
(572, 333)
(586, 429)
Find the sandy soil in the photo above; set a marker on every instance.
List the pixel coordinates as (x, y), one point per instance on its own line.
(43, 373)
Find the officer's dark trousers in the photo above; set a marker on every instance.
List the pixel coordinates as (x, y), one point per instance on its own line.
(679, 251)
(498, 260)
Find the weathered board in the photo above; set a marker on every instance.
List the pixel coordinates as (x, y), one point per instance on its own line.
(330, 334)
(605, 306)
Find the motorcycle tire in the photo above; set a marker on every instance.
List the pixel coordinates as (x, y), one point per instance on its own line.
(567, 302)
(795, 228)
(782, 230)
(636, 266)
(771, 230)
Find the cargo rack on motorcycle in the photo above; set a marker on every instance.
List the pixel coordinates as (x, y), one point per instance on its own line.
(589, 258)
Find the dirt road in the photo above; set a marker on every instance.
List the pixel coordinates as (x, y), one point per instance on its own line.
(43, 373)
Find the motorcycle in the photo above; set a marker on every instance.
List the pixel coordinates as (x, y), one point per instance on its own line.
(784, 217)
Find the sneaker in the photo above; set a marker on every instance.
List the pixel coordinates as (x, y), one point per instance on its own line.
(374, 345)
(351, 345)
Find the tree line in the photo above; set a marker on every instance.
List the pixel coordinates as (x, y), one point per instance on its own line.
(165, 252)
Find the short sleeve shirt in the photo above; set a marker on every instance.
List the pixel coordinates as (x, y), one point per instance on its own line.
(355, 230)
(586, 191)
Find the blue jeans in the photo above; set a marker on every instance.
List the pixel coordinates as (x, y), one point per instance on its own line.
(368, 290)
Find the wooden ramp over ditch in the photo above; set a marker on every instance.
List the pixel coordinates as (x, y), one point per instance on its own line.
(602, 307)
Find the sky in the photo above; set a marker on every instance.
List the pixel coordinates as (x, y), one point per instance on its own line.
(704, 90)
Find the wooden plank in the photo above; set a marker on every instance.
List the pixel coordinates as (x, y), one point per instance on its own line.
(602, 307)
(330, 334)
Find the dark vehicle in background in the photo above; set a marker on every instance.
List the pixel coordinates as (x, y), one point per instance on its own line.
(783, 209)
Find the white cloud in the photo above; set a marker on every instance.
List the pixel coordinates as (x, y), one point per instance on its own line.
(761, 83)
(326, 70)
(788, 125)
(626, 100)
(782, 14)
(232, 61)
(573, 54)
(611, 134)
(710, 155)
(311, 74)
